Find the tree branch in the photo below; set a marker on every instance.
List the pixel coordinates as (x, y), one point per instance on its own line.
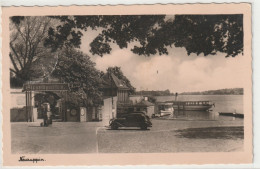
(13, 62)
(14, 37)
(36, 32)
(15, 53)
(22, 35)
(12, 70)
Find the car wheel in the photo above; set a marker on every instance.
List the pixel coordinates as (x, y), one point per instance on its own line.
(114, 127)
(144, 127)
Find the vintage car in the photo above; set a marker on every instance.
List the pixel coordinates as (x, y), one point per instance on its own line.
(135, 119)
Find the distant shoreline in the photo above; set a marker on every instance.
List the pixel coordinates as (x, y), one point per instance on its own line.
(204, 94)
(193, 95)
(211, 94)
(232, 91)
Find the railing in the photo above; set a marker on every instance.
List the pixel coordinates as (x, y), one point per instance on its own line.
(192, 103)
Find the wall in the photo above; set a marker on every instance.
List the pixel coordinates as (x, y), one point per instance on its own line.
(136, 99)
(18, 115)
(17, 110)
(94, 114)
(106, 110)
(89, 114)
(17, 98)
(122, 95)
(73, 115)
(150, 111)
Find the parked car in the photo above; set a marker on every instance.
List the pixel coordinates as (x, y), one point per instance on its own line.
(136, 119)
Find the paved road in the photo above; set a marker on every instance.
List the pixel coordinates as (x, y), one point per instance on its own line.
(174, 136)
(164, 136)
(61, 137)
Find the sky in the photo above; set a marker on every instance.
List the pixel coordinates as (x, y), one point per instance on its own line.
(176, 71)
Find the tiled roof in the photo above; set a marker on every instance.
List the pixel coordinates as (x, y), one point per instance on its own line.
(106, 82)
(48, 79)
(118, 83)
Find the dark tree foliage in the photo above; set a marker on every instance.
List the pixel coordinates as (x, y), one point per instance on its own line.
(154, 92)
(119, 29)
(119, 74)
(232, 91)
(207, 34)
(66, 34)
(79, 71)
(17, 19)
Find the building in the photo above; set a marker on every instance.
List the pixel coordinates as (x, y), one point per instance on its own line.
(116, 89)
(34, 93)
(145, 106)
(136, 98)
(27, 101)
(108, 110)
(112, 86)
(115, 98)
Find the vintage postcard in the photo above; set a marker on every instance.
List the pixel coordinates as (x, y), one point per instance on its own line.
(127, 85)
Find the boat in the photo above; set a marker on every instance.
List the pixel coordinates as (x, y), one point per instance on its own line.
(233, 114)
(163, 109)
(192, 105)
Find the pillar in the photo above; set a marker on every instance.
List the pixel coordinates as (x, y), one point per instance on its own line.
(83, 114)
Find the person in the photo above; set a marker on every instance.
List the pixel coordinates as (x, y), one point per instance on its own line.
(49, 116)
(46, 114)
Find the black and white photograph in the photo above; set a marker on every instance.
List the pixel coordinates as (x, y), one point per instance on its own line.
(127, 83)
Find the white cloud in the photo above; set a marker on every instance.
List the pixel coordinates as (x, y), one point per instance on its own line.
(215, 72)
(157, 73)
(176, 71)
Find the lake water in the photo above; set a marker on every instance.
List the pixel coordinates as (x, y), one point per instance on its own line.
(223, 103)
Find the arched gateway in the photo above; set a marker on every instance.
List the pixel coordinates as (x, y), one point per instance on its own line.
(38, 92)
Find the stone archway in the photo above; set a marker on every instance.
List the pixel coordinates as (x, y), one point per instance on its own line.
(33, 88)
(54, 99)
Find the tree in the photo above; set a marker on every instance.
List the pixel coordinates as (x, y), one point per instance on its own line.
(119, 74)
(207, 34)
(79, 71)
(26, 48)
(31, 59)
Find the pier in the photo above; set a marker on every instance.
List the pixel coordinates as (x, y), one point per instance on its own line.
(237, 115)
